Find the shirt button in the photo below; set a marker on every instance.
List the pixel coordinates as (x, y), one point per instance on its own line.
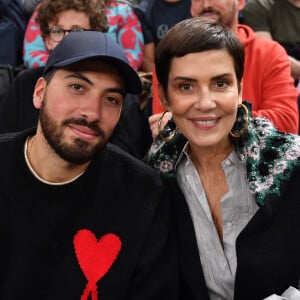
(227, 162)
(229, 224)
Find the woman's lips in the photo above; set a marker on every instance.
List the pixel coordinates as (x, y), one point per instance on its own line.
(206, 123)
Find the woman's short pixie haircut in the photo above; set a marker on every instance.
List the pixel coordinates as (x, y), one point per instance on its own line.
(95, 10)
(197, 35)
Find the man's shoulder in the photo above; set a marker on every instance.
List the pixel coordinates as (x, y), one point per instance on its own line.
(266, 4)
(9, 137)
(267, 46)
(13, 138)
(255, 44)
(11, 149)
(145, 6)
(127, 174)
(117, 154)
(116, 158)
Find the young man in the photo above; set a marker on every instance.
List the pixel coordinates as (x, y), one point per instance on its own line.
(57, 18)
(79, 217)
(267, 81)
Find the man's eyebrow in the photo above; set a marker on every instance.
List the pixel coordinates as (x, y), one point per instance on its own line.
(79, 76)
(84, 78)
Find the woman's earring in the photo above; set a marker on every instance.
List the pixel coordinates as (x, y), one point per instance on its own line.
(241, 123)
(167, 133)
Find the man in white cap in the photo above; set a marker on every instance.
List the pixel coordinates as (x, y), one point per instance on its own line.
(79, 217)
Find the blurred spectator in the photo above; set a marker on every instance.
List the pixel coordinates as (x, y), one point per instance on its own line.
(280, 21)
(124, 27)
(157, 17)
(267, 82)
(13, 22)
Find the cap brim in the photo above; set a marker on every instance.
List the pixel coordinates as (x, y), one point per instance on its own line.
(132, 80)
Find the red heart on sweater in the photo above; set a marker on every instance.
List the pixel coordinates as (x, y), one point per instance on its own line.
(95, 257)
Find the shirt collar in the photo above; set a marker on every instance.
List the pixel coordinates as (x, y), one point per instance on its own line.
(233, 157)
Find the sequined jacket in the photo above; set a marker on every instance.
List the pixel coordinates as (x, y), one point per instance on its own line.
(268, 248)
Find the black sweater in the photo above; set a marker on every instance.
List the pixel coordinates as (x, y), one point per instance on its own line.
(106, 235)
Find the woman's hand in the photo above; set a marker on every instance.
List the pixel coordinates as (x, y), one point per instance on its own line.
(154, 120)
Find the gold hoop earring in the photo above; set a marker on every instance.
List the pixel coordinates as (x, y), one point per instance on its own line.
(242, 120)
(166, 129)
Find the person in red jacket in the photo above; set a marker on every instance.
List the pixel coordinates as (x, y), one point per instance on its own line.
(267, 81)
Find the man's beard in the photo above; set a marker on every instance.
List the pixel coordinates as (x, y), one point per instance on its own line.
(77, 152)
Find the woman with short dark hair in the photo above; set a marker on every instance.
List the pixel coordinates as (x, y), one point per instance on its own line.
(239, 176)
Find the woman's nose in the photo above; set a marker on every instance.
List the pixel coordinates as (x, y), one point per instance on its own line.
(204, 100)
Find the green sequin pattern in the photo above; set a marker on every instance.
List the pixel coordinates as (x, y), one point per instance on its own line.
(270, 155)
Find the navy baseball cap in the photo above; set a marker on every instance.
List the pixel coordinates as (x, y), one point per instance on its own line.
(82, 45)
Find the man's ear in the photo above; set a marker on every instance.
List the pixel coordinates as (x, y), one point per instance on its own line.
(162, 97)
(39, 92)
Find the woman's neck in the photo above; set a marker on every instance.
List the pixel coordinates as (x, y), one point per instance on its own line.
(208, 158)
(208, 163)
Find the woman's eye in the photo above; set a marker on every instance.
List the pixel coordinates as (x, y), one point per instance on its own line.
(221, 83)
(185, 86)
